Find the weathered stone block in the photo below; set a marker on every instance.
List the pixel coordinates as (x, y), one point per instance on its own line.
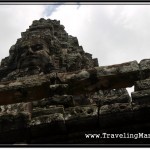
(46, 111)
(81, 118)
(141, 103)
(115, 108)
(65, 100)
(47, 125)
(127, 67)
(15, 121)
(141, 97)
(24, 90)
(115, 115)
(115, 99)
(141, 113)
(142, 85)
(107, 97)
(16, 108)
(118, 76)
(145, 68)
(105, 77)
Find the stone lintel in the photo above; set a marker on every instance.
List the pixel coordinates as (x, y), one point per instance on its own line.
(42, 86)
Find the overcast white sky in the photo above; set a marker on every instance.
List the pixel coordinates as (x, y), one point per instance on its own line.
(112, 33)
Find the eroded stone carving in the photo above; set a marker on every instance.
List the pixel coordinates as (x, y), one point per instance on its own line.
(43, 48)
(46, 57)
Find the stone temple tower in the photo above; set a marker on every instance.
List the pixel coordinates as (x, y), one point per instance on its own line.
(43, 49)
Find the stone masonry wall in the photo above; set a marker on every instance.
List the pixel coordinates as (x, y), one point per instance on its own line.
(61, 119)
(53, 92)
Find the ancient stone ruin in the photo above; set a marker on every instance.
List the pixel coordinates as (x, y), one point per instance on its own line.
(53, 92)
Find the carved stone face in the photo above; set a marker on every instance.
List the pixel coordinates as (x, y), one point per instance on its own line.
(33, 53)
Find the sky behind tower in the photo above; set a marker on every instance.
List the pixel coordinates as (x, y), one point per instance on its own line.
(112, 33)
